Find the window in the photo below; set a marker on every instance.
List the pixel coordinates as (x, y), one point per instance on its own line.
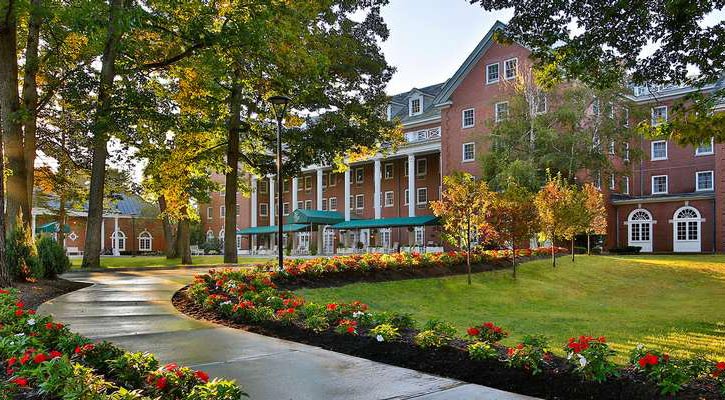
(405, 168)
(625, 117)
(598, 180)
(388, 171)
(209, 235)
(264, 186)
(704, 180)
(501, 111)
(360, 201)
(221, 235)
(285, 208)
(596, 107)
(300, 205)
(469, 152)
(640, 226)
(308, 204)
(610, 107)
(422, 196)
(659, 115)
(209, 213)
(302, 186)
(659, 184)
(687, 222)
(145, 241)
(120, 237)
(263, 209)
(333, 179)
(491, 73)
(406, 198)
(705, 149)
(421, 167)
(324, 180)
(308, 183)
(611, 147)
(612, 182)
(359, 175)
(419, 235)
(385, 237)
(324, 204)
(389, 198)
(222, 211)
(239, 242)
(625, 185)
(332, 203)
(285, 186)
(469, 118)
(351, 202)
(540, 106)
(510, 67)
(416, 106)
(626, 152)
(659, 150)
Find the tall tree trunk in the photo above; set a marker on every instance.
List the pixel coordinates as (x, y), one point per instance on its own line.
(30, 99)
(184, 237)
(589, 246)
(169, 237)
(572, 249)
(101, 129)
(9, 114)
(232, 176)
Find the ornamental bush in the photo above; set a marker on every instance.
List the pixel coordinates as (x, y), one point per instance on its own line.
(590, 358)
(435, 333)
(532, 354)
(669, 374)
(482, 351)
(21, 255)
(487, 332)
(385, 333)
(51, 257)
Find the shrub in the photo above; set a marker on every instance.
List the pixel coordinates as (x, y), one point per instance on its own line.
(346, 327)
(669, 374)
(590, 358)
(398, 320)
(487, 332)
(21, 254)
(626, 250)
(435, 333)
(531, 354)
(130, 369)
(52, 258)
(385, 333)
(482, 351)
(216, 390)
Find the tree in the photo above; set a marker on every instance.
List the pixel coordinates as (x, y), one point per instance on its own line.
(514, 216)
(465, 211)
(554, 206)
(563, 129)
(614, 39)
(595, 212)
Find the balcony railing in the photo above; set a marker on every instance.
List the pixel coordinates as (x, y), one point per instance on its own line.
(423, 135)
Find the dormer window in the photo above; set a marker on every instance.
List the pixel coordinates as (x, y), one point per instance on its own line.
(416, 105)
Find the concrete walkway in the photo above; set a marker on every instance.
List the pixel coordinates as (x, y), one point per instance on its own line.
(133, 309)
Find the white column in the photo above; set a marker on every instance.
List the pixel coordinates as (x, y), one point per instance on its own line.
(116, 251)
(411, 185)
(103, 234)
(272, 206)
(255, 206)
(319, 188)
(295, 188)
(376, 195)
(346, 200)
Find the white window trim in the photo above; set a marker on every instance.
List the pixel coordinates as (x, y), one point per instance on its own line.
(652, 151)
(392, 171)
(209, 212)
(667, 184)
(667, 115)
(498, 77)
(222, 211)
(417, 196)
(331, 179)
(612, 182)
(495, 110)
(308, 178)
(310, 204)
(285, 209)
(463, 152)
(359, 178)
(121, 239)
(516, 70)
(359, 196)
(625, 190)
(264, 207)
(697, 181)
(463, 118)
(406, 196)
(418, 169)
(410, 105)
(706, 153)
(331, 201)
(148, 237)
(626, 152)
(392, 198)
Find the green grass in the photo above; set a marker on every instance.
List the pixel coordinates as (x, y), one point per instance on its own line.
(676, 303)
(161, 261)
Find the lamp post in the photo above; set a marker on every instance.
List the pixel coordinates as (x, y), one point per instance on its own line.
(279, 106)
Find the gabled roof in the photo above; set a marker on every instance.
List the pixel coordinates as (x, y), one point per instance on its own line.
(453, 83)
(399, 104)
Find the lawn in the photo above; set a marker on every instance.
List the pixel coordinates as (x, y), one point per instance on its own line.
(162, 261)
(675, 303)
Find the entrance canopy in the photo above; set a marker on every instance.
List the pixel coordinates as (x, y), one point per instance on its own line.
(51, 227)
(388, 222)
(316, 217)
(262, 230)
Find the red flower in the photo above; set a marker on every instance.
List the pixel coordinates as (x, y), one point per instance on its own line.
(31, 312)
(3, 291)
(12, 361)
(22, 382)
(19, 312)
(39, 358)
(171, 367)
(649, 359)
(161, 383)
(20, 304)
(473, 331)
(720, 366)
(202, 376)
(332, 307)
(24, 359)
(350, 329)
(49, 325)
(55, 354)
(520, 346)
(602, 339)
(510, 351)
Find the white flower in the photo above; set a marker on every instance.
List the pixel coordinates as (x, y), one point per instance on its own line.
(358, 314)
(225, 303)
(379, 338)
(640, 346)
(31, 321)
(568, 356)
(582, 360)
(19, 334)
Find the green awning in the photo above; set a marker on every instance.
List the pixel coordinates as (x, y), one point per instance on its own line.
(388, 222)
(316, 217)
(51, 227)
(261, 230)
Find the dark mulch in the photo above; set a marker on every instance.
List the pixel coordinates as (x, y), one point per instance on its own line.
(453, 362)
(33, 294)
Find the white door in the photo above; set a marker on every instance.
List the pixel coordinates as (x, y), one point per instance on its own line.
(639, 230)
(687, 230)
(328, 244)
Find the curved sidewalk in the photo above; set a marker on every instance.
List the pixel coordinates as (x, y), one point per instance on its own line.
(133, 309)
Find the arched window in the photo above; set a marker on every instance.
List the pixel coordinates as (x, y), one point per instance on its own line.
(640, 229)
(687, 225)
(145, 241)
(120, 237)
(209, 234)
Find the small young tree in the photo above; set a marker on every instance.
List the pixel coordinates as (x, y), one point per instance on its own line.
(514, 216)
(553, 205)
(464, 209)
(595, 213)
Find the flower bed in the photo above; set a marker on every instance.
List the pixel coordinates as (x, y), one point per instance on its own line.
(255, 301)
(44, 360)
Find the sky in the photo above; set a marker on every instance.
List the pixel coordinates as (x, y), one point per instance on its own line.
(430, 39)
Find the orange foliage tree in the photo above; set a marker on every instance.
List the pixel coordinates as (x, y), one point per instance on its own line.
(554, 204)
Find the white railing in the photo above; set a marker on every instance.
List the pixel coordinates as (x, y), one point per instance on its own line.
(423, 135)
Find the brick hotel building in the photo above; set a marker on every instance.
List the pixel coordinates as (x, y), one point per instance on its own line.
(671, 201)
